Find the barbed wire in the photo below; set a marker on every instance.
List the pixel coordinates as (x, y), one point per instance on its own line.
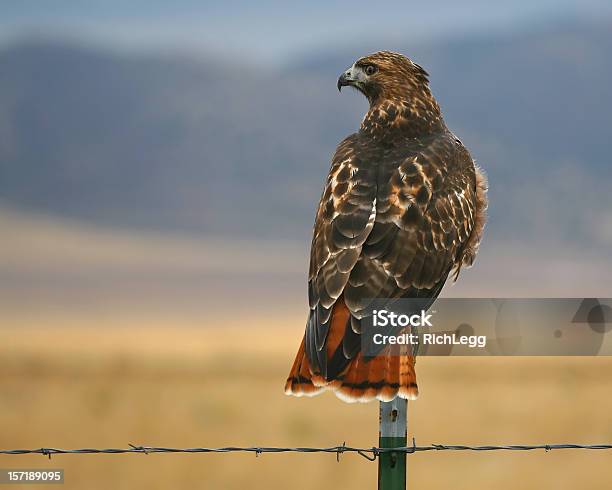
(369, 453)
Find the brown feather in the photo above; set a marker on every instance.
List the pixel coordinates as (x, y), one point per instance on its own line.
(403, 205)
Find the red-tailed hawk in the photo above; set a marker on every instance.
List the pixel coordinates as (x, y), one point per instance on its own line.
(403, 207)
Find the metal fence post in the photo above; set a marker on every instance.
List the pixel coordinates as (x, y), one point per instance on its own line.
(393, 424)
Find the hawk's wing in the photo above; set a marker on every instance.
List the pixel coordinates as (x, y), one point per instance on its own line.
(344, 221)
(391, 228)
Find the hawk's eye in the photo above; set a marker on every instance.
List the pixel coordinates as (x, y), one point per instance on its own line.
(371, 69)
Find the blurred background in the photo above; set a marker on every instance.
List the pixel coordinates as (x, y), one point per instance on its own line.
(160, 166)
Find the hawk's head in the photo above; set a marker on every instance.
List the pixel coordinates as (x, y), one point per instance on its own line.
(385, 75)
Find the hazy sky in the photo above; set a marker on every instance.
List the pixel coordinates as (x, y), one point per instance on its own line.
(273, 29)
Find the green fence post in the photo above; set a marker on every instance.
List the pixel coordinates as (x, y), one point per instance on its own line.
(393, 425)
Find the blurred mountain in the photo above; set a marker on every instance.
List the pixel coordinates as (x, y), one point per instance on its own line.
(230, 147)
(160, 143)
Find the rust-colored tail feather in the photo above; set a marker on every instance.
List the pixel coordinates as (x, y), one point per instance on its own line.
(300, 382)
(383, 377)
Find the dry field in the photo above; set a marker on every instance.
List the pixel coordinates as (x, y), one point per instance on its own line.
(99, 386)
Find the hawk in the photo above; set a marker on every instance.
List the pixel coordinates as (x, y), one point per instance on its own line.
(402, 209)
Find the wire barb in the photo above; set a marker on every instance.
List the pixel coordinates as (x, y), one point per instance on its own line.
(371, 454)
(140, 449)
(340, 451)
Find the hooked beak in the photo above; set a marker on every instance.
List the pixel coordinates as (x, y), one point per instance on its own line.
(353, 77)
(344, 80)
